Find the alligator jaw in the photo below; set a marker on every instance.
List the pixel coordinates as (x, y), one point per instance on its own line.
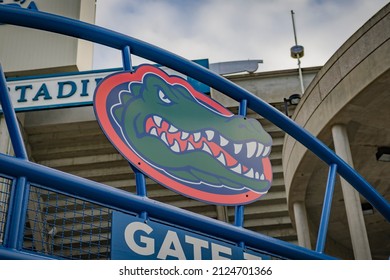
(227, 152)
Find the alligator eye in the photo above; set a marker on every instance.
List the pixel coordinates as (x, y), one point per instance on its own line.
(163, 97)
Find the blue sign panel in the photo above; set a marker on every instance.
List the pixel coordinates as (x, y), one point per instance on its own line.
(70, 89)
(135, 238)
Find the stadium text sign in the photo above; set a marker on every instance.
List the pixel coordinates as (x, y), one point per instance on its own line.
(67, 89)
(54, 91)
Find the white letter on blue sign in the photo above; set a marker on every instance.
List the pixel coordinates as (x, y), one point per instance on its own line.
(148, 248)
(248, 256)
(216, 249)
(198, 244)
(177, 251)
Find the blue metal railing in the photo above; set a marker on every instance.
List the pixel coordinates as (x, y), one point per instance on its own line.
(116, 199)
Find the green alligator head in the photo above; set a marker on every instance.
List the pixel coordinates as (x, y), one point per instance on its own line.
(191, 141)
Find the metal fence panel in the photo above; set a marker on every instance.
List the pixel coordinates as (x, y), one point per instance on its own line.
(5, 189)
(66, 227)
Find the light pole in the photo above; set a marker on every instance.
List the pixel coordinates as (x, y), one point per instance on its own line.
(297, 51)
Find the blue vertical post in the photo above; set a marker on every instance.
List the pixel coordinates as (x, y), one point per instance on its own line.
(321, 239)
(17, 215)
(11, 120)
(239, 216)
(19, 195)
(239, 209)
(126, 59)
(140, 182)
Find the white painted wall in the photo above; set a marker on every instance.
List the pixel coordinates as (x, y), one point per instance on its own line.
(30, 52)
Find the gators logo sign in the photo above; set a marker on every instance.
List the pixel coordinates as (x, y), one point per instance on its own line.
(183, 139)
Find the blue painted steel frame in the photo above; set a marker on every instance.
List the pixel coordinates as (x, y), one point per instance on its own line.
(239, 210)
(11, 120)
(126, 202)
(20, 191)
(326, 209)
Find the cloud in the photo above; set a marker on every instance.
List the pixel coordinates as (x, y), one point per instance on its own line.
(226, 30)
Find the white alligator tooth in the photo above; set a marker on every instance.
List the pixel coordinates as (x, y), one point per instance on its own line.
(190, 147)
(260, 148)
(266, 151)
(250, 149)
(153, 131)
(262, 177)
(249, 173)
(175, 147)
(172, 129)
(197, 136)
(257, 175)
(157, 120)
(206, 148)
(184, 135)
(164, 138)
(237, 169)
(223, 141)
(237, 148)
(221, 158)
(209, 135)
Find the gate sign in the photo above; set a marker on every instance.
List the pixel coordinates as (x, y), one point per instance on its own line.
(182, 138)
(135, 239)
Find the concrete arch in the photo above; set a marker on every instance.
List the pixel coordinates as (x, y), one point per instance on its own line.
(351, 89)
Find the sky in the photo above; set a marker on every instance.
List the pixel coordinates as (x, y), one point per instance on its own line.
(229, 30)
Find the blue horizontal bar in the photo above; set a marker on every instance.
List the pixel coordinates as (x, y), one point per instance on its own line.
(12, 254)
(118, 199)
(89, 32)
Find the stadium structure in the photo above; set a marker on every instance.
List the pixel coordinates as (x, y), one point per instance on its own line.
(66, 192)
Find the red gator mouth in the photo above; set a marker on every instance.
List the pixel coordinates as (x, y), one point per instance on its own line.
(226, 152)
